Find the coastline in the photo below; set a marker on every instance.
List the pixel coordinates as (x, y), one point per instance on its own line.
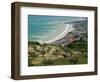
(68, 28)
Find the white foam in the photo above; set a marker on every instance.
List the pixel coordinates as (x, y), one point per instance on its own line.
(68, 28)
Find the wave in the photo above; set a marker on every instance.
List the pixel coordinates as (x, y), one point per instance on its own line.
(68, 28)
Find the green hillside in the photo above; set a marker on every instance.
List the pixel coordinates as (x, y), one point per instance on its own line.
(47, 54)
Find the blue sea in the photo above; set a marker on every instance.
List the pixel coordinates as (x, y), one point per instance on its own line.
(43, 28)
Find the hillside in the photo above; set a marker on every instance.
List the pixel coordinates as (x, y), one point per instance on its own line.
(79, 32)
(47, 54)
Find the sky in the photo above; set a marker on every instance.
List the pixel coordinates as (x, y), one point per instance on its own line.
(43, 28)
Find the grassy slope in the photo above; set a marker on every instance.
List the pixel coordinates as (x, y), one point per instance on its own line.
(52, 54)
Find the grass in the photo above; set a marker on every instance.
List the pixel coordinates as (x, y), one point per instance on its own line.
(46, 54)
(61, 61)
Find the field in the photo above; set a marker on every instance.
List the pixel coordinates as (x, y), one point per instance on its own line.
(50, 54)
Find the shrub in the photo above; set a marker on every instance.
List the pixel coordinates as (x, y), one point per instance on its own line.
(47, 62)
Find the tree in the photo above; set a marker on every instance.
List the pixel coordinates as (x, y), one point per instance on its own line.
(68, 51)
(56, 52)
(31, 56)
(73, 60)
(83, 50)
(42, 50)
(48, 62)
(64, 54)
(48, 49)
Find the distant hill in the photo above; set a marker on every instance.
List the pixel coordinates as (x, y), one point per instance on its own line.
(83, 24)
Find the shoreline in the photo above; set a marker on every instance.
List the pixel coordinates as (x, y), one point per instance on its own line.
(68, 28)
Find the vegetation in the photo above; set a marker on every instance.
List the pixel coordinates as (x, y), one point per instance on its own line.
(47, 54)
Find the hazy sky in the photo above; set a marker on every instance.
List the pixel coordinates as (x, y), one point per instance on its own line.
(44, 28)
